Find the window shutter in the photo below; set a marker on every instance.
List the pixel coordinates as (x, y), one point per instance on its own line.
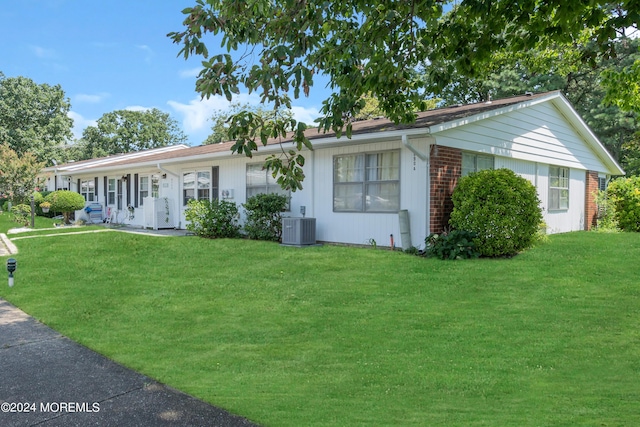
(214, 182)
(95, 188)
(79, 188)
(602, 184)
(106, 184)
(55, 182)
(135, 190)
(128, 189)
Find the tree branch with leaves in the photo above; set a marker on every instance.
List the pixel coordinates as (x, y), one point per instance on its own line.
(366, 47)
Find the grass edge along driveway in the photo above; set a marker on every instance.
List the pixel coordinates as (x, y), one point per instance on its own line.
(346, 336)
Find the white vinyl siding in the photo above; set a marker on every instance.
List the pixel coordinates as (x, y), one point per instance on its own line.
(539, 134)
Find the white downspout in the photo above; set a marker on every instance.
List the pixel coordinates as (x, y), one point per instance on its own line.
(414, 150)
(167, 171)
(425, 158)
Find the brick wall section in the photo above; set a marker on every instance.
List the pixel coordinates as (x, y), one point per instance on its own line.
(590, 206)
(445, 170)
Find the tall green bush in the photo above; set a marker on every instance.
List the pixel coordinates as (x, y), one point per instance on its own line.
(65, 201)
(212, 219)
(264, 216)
(624, 198)
(501, 208)
(21, 213)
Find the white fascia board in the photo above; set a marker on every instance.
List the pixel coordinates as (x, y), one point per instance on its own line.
(316, 143)
(71, 167)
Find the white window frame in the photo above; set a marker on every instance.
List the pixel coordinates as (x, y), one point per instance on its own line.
(479, 162)
(155, 186)
(88, 190)
(143, 188)
(111, 191)
(201, 191)
(559, 182)
(358, 175)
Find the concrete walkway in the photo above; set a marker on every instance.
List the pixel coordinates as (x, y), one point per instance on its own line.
(48, 380)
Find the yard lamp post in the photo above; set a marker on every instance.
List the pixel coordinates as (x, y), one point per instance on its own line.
(33, 211)
(11, 267)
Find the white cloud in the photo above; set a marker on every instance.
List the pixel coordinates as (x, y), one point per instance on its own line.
(42, 52)
(147, 50)
(137, 108)
(80, 123)
(190, 73)
(304, 114)
(196, 114)
(90, 99)
(632, 32)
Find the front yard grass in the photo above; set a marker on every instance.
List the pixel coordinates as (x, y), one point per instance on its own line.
(345, 336)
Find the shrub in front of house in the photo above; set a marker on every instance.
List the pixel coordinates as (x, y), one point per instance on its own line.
(21, 213)
(501, 208)
(213, 219)
(624, 197)
(455, 244)
(264, 216)
(65, 201)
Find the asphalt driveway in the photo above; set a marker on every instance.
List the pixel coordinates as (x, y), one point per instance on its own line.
(48, 380)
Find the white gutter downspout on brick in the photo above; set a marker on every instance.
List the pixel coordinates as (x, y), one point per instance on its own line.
(425, 158)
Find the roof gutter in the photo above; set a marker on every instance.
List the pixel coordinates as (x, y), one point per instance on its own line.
(167, 171)
(414, 150)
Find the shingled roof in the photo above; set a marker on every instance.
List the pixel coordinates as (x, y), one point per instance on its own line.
(424, 119)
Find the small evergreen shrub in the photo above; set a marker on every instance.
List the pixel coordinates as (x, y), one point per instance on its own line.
(624, 197)
(213, 219)
(501, 208)
(65, 201)
(264, 216)
(456, 244)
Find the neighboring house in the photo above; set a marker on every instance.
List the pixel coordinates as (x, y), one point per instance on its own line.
(356, 187)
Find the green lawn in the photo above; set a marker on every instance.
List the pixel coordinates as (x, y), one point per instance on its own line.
(345, 336)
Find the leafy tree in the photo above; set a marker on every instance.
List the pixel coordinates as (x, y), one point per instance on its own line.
(371, 47)
(65, 201)
(33, 117)
(220, 128)
(371, 107)
(18, 174)
(123, 131)
(624, 199)
(560, 67)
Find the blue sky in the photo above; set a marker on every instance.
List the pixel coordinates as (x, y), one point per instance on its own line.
(112, 54)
